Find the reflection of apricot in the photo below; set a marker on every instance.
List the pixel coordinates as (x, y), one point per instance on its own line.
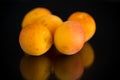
(34, 14)
(87, 55)
(52, 22)
(87, 22)
(53, 55)
(35, 39)
(69, 38)
(69, 68)
(35, 68)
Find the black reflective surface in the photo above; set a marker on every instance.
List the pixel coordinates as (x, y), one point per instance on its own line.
(53, 62)
(104, 42)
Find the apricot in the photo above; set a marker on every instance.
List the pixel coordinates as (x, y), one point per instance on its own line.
(35, 68)
(69, 38)
(52, 22)
(69, 68)
(87, 55)
(34, 14)
(35, 39)
(87, 22)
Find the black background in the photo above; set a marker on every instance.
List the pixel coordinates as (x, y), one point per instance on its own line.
(104, 42)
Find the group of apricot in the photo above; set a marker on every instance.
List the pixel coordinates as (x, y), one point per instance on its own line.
(41, 29)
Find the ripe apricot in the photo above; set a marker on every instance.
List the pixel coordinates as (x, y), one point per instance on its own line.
(87, 22)
(34, 14)
(35, 39)
(69, 38)
(52, 22)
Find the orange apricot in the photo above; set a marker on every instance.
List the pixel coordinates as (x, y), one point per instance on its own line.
(52, 22)
(34, 14)
(69, 38)
(87, 22)
(35, 39)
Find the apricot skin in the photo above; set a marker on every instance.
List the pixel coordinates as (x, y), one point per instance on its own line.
(34, 14)
(35, 39)
(69, 38)
(52, 22)
(87, 22)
